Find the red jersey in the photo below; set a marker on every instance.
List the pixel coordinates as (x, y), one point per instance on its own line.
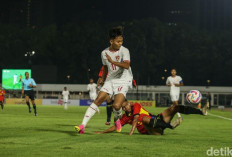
(2, 93)
(137, 109)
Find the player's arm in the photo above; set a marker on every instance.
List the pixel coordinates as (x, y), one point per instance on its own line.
(134, 124)
(111, 129)
(181, 83)
(22, 88)
(33, 85)
(124, 64)
(104, 73)
(168, 83)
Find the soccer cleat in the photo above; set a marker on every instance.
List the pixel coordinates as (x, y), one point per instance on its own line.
(118, 125)
(35, 114)
(80, 129)
(29, 110)
(176, 123)
(107, 123)
(204, 110)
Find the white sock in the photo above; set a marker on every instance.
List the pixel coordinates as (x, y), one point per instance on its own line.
(117, 114)
(93, 108)
(178, 114)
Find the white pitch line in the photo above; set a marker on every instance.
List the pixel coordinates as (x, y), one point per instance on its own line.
(219, 116)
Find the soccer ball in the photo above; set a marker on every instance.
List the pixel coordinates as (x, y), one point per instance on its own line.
(194, 97)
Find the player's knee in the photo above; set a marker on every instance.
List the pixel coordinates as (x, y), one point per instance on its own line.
(117, 106)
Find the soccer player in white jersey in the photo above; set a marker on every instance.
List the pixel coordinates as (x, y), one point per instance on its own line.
(92, 88)
(174, 82)
(65, 94)
(116, 62)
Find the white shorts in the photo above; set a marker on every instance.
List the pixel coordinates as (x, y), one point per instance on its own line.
(116, 87)
(175, 97)
(93, 96)
(65, 100)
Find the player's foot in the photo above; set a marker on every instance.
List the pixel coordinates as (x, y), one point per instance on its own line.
(35, 114)
(107, 123)
(176, 123)
(80, 129)
(118, 125)
(29, 110)
(204, 110)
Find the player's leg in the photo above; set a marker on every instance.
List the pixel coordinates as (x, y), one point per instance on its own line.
(170, 112)
(175, 99)
(34, 106)
(92, 109)
(28, 103)
(120, 90)
(2, 105)
(109, 111)
(65, 103)
(117, 110)
(32, 97)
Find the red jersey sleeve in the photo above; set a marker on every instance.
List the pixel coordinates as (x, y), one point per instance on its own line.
(101, 72)
(136, 109)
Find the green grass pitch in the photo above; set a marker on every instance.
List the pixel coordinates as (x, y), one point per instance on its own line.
(51, 133)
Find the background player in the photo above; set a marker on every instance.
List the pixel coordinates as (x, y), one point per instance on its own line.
(174, 82)
(92, 88)
(28, 84)
(65, 95)
(116, 62)
(146, 123)
(2, 97)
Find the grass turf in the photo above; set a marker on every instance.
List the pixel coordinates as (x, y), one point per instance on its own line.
(51, 133)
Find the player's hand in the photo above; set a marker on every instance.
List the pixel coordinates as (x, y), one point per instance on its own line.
(176, 84)
(131, 133)
(99, 132)
(109, 58)
(30, 85)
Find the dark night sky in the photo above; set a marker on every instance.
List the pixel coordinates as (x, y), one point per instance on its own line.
(210, 15)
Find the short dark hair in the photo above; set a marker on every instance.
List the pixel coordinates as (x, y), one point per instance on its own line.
(26, 73)
(115, 32)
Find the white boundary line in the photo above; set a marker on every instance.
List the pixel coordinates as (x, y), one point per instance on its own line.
(219, 116)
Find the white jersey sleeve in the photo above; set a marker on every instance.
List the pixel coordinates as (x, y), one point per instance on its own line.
(103, 56)
(126, 55)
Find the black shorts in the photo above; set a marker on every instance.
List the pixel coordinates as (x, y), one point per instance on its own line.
(30, 94)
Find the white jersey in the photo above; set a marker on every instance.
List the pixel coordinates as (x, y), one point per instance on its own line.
(65, 94)
(92, 88)
(115, 72)
(174, 90)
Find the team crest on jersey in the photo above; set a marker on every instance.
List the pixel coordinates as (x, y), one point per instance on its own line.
(117, 58)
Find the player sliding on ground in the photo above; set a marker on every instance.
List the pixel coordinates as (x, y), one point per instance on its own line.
(116, 61)
(146, 123)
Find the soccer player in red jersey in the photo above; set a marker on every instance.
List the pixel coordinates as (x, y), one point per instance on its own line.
(2, 94)
(146, 123)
